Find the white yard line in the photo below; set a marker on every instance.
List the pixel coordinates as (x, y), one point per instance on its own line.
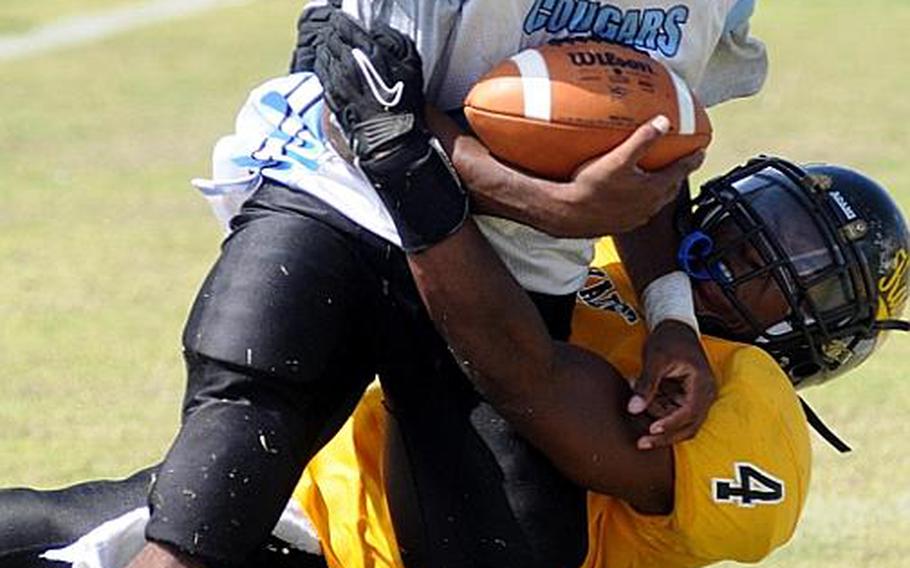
(92, 27)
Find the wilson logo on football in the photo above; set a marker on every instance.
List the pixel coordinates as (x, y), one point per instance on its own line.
(608, 59)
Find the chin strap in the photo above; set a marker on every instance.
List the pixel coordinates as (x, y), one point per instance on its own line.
(822, 430)
(892, 325)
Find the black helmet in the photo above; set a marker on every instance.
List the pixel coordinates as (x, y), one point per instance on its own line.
(832, 241)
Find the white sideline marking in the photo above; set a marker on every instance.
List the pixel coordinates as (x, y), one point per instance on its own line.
(88, 28)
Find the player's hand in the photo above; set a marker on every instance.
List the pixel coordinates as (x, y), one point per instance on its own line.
(373, 83)
(154, 555)
(611, 194)
(677, 385)
(311, 28)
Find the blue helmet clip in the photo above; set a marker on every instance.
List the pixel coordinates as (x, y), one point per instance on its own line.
(692, 254)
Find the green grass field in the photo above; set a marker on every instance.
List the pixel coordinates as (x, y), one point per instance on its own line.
(18, 16)
(103, 242)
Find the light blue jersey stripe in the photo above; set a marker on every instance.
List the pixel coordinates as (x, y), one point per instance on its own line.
(739, 14)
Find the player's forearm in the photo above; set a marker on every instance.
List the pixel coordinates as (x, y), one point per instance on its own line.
(487, 318)
(607, 196)
(592, 439)
(567, 402)
(499, 190)
(649, 251)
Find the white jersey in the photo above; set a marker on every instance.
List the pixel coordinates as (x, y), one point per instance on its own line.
(278, 135)
(706, 42)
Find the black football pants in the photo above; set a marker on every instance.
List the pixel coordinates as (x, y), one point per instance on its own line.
(33, 522)
(300, 312)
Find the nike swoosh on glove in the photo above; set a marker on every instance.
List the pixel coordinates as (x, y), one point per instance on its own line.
(373, 83)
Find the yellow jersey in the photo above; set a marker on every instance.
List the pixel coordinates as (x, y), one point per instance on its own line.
(740, 484)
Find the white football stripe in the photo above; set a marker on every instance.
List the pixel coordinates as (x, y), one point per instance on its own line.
(686, 104)
(535, 78)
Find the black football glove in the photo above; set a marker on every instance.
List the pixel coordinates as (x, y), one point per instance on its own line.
(311, 27)
(373, 83)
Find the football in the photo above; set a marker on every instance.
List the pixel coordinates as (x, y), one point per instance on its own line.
(550, 109)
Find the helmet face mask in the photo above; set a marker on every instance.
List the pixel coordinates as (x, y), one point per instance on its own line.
(790, 260)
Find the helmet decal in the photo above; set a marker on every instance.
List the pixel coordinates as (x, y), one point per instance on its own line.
(892, 288)
(841, 202)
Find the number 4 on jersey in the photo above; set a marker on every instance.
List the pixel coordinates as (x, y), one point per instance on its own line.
(749, 488)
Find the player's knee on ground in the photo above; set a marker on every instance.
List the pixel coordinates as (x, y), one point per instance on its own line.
(275, 366)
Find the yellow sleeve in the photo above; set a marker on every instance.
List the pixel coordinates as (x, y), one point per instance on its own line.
(741, 483)
(607, 319)
(342, 492)
(748, 472)
(605, 252)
